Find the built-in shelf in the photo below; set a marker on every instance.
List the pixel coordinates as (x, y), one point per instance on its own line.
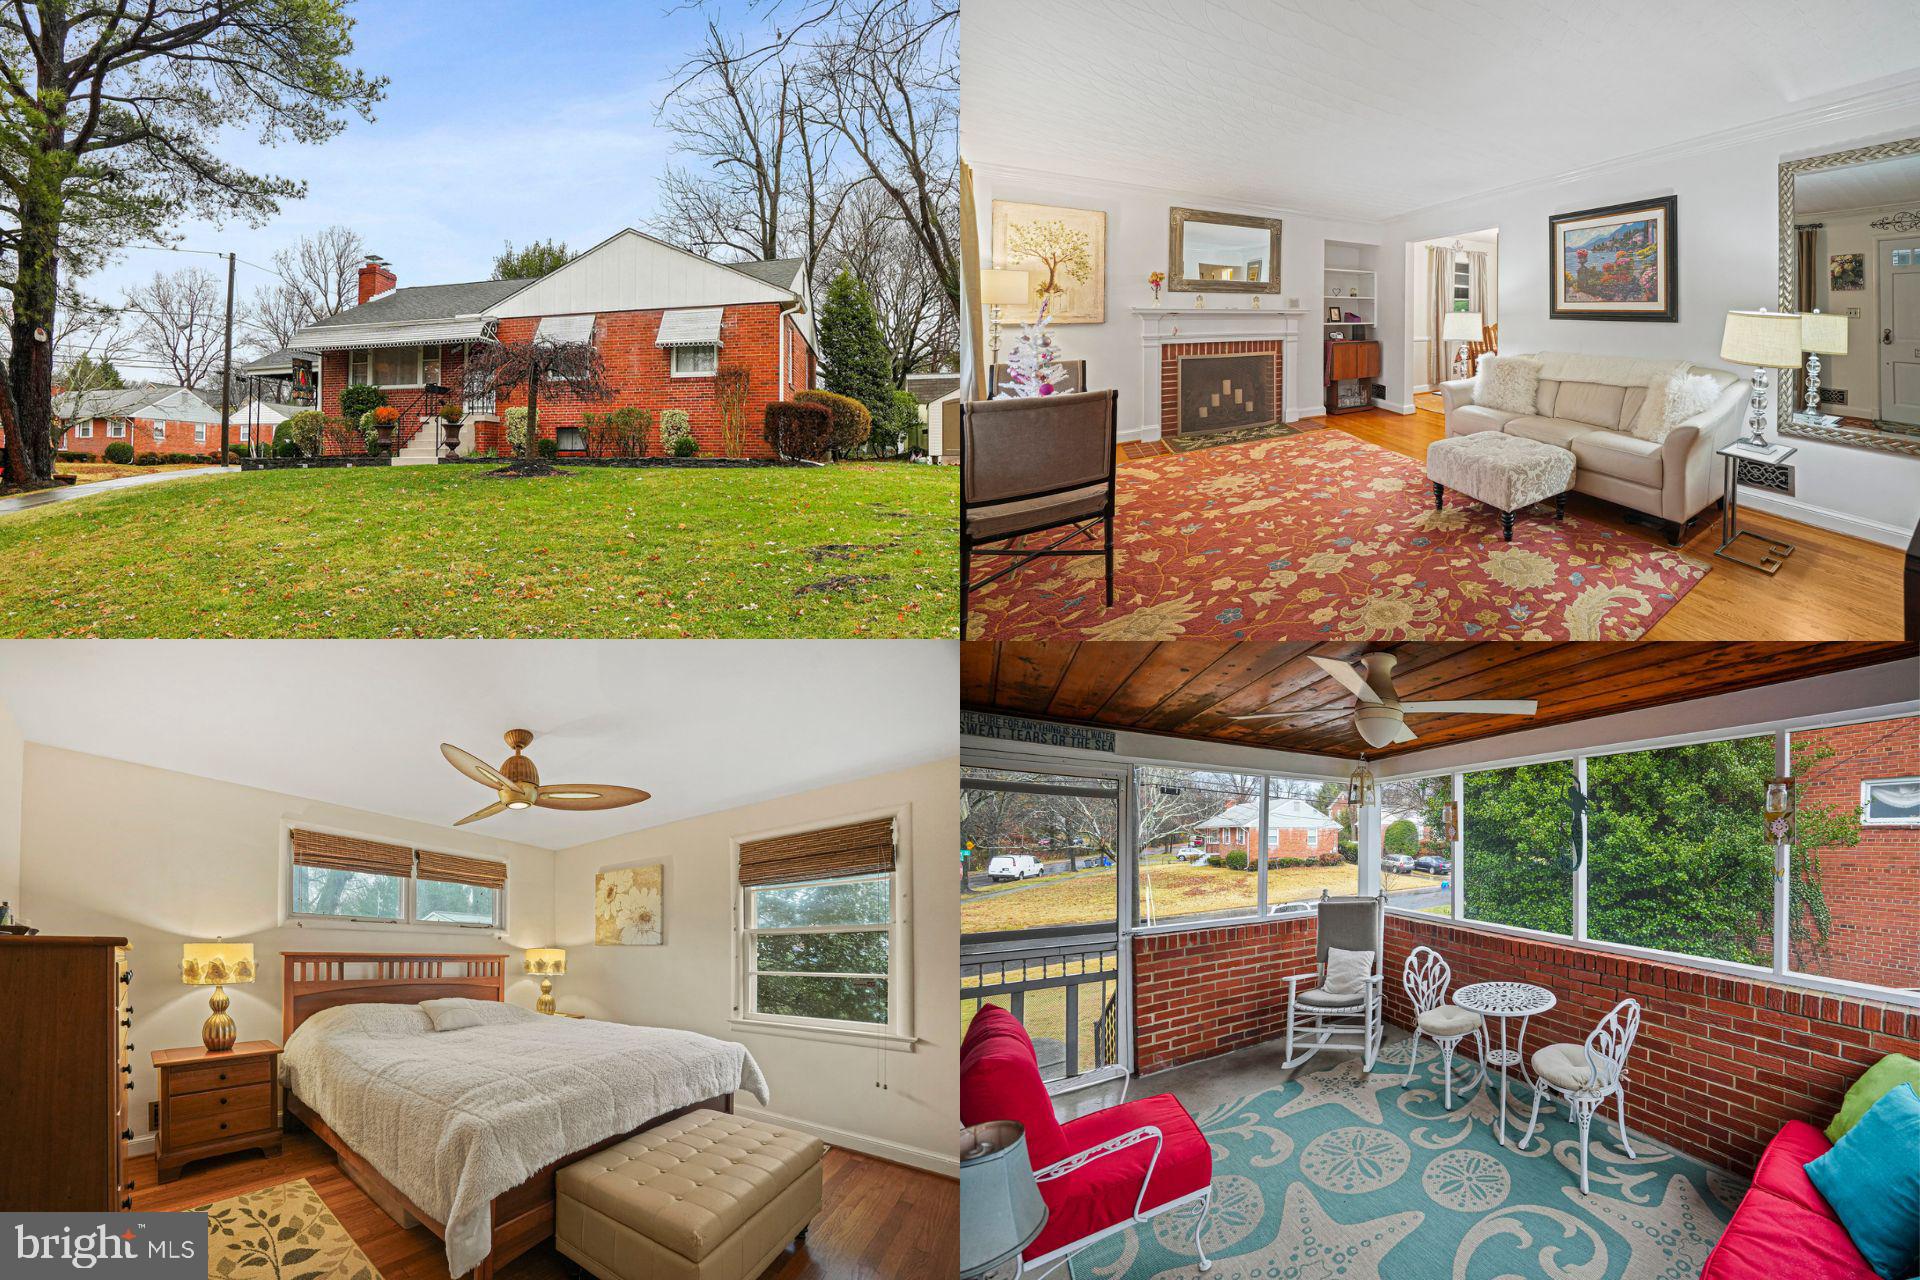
(1352, 352)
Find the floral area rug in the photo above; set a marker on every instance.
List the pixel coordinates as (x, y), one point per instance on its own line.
(1344, 1174)
(281, 1233)
(1324, 536)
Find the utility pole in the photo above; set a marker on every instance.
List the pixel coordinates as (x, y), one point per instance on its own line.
(226, 370)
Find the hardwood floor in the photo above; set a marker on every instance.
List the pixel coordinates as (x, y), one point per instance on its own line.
(1832, 588)
(880, 1220)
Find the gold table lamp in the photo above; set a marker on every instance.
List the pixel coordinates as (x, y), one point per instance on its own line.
(547, 963)
(214, 964)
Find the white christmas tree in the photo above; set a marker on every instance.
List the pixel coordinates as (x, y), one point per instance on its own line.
(1033, 364)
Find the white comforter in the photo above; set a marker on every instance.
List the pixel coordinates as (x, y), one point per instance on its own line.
(454, 1118)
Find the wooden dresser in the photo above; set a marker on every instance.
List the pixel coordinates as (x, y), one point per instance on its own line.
(214, 1103)
(1353, 364)
(65, 1080)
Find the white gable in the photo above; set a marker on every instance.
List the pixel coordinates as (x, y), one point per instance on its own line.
(634, 272)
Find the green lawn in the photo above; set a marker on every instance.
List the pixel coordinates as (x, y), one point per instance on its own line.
(855, 549)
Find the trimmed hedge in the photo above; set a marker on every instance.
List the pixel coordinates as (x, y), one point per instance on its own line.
(852, 421)
(799, 430)
(120, 452)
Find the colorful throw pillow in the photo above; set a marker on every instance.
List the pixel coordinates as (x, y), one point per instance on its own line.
(1871, 1180)
(1508, 383)
(1887, 1074)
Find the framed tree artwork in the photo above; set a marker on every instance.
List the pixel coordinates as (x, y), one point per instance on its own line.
(1621, 262)
(1063, 252)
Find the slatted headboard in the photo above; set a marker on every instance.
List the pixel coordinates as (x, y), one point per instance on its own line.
(316, 980)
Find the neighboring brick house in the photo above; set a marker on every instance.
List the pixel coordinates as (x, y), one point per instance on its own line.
(149, 419)
(1295, 829)
(664, 320)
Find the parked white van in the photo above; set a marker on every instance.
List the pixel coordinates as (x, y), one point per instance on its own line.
(1014, 866)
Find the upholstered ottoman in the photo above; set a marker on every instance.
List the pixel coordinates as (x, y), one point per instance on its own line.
(708, 1196)
(1503, 471)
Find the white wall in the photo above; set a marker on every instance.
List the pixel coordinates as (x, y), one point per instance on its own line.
(900, 1105)
(1137, 245)
(162, 858)
(1728, 244)
(12, 761)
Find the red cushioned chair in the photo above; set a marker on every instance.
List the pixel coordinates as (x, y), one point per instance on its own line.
(1784, 1226)
(1098, 1174)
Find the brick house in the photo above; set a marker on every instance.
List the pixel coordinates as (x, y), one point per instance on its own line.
(664, 320)
(1295, 829)
(150, 419)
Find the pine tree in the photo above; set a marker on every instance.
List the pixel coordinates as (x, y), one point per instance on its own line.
(852, 348)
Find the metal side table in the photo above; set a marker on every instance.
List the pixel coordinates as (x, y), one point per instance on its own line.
(1761, 469)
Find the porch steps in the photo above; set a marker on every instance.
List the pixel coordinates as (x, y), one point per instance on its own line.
(422, 450)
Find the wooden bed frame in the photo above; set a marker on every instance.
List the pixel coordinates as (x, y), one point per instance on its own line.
(316, 980)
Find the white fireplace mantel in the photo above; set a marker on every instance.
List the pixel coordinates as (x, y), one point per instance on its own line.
(1171, 326)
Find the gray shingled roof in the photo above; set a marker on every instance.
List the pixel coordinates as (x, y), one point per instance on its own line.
(778, 272)
(107, 403)
(426, 302)
(281, 359)
(928, 387)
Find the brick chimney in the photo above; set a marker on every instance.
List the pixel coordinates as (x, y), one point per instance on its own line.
(376, 278)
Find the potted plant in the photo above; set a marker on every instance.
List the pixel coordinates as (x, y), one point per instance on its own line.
(384, 419)
(452, 414)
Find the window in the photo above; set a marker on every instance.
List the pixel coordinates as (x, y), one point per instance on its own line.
(199, 433)
(1304, 854)
(1890, 802)
(243, 433)
(394, 366)
(570, 439)
(823, 929)
(1195, 841)
(1462, 286)
(1677, 858)
(350, 878)
(1519, 846)
(695, 362)
(159, 433)
(84, 431)
(117, 429)
(1416, 856)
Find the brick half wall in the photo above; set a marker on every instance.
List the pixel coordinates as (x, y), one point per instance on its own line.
(1211, 991)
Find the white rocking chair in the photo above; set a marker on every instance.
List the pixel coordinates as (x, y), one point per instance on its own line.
(1587, 1075)
(1340, 1019)
(1427, 978)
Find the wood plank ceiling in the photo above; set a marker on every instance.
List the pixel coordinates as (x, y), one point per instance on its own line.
(1190, 689)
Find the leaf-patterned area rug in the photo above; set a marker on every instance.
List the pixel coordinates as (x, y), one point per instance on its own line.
(1339, 1173)
(284, 1232)
(1324, 536)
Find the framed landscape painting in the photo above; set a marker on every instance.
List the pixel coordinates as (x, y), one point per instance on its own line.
(1617, 263)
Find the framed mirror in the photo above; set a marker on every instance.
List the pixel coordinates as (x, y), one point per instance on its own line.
(1222, 252)
(1850, 246)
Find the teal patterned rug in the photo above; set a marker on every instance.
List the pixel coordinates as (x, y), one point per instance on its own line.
(1340, 1175)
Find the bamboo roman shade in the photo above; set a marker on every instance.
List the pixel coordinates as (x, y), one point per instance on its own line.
(350, 853)
(861, 848)
(451, 868)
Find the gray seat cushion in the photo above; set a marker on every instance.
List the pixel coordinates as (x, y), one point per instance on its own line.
(1321, 998)
(1554, 431)
(1003, 518)
(1564, 1065)
(1469, 418)
(1448, 1020)
(1623, 457)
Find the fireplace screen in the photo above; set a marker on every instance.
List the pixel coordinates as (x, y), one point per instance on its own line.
(1219, 393)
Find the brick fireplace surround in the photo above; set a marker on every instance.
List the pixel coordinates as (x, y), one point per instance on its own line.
(1170, 354)
(1721, 1062)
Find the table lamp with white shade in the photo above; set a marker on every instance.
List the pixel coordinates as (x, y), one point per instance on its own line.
(215, 964)
(1001, 287)
(1822, 333)
(1766, 340)
(1461, 326)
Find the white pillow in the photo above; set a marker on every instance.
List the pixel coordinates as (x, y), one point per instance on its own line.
(367, 1019)
(1509, 383)
(455, 1012)
(1347, 972)
(1673, 401)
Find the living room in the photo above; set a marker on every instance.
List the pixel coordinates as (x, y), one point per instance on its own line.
(1305, 504)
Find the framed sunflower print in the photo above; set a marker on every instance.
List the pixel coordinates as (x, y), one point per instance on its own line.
(1617, 263)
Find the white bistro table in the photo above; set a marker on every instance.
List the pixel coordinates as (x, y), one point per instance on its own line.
(1503, 1002)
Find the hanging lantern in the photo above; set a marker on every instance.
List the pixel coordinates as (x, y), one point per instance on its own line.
(1779, 810)
(1360, 786)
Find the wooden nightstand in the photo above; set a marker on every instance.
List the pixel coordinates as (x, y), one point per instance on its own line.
(214, 1103)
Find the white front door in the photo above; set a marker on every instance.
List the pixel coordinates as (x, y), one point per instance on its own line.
(1900, 330)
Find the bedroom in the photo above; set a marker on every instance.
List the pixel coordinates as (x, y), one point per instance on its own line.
(296, 820)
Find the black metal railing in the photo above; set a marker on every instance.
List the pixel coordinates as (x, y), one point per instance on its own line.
(1084, 969)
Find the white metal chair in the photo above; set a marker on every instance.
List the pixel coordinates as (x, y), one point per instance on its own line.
(1350, 924)
(1587, 1075)
(1427, 978)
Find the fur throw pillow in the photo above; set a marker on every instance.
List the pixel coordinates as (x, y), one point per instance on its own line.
(1509, 383)
(1671, 401)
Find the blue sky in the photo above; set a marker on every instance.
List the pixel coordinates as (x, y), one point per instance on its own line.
(504, 120)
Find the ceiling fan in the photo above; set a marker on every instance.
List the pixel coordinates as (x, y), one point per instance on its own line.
(1379, 717)
(519, 787)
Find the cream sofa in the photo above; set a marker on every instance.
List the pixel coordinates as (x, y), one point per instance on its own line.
(1673, 480)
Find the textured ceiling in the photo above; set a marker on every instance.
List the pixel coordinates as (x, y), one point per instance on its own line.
(1370, 109)
(704, 725)
(1860, 186)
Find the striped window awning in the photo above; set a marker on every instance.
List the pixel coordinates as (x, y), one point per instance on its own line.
(352, 337)
(698, 327)
(564, 329)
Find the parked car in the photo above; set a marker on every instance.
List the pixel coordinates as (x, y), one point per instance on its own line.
(1397, 862)
(1192, 853)
(1014, 866)
(1432, 865)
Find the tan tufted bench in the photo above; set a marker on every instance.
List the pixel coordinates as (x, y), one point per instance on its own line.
(707, 1196)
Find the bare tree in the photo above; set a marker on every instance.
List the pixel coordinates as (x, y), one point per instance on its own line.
(916, 316)
(318, 276)
(179, 321)
(571, 370)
